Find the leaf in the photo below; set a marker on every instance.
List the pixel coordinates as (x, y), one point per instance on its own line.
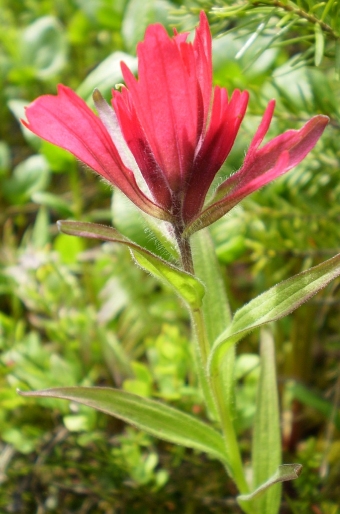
(186, 285)
(274, 304)
(141, 228)
(28, 177)
(44, 47)
(319, 45)
(54, 202)
(40, 233)
(154, 417)
(105, 76)
(138, 15)
(252, 38)
(216, 308)
(68, 250)
(284, 473)
(266, 452)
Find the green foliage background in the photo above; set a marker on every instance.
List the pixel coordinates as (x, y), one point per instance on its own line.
(75, 313)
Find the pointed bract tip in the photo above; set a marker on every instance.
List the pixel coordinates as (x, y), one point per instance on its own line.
(21, 393)
(97, 96)
(203, 17)
(322, 119)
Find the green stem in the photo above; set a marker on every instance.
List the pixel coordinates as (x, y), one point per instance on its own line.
(213, 389)
(202, 352)
(235, 467)
(201, 344)
(186, 254)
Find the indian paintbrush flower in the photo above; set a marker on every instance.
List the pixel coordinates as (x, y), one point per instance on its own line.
(173, 128)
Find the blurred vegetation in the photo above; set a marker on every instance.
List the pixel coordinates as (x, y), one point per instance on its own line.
(76, 313)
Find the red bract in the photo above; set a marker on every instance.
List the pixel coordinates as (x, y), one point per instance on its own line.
(174, 129)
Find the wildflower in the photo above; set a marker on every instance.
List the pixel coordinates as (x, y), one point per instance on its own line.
(173, 129)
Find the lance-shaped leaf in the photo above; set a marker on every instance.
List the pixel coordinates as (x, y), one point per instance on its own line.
(154, 417)
(266, 451)
(215, 306)
(283, 474)
(185, 284)
(274, 304)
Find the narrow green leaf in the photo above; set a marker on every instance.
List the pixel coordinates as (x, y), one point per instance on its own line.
(326, 10)
(40, 234)
(274, 304)
(283, 474)
(252, 38)
(54, 202)
(215, 307)
(266, 452)
(141, 228)
(319, 45)
(186, 285)
(216, 310)
(154, 417)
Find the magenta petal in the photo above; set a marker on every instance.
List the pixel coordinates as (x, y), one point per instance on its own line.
(66, 121)
(170, 128)
(220, 208)
(203, 57)
(172, 97)
(165, 99)
(139, 146)
(225, 120)
(262, 130)
(281, 167)
(298, 143)
(273, 160)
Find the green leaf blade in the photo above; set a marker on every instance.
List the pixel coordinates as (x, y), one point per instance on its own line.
(284, 473)
(319, 45)
(215, 306)
(266, 452)
(186, 286)
(156, 418)
(274, 304)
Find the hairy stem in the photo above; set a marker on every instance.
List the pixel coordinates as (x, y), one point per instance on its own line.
(213, 386)
(186, 255)
(235, 468)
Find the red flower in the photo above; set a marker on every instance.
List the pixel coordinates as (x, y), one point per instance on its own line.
(173, 128)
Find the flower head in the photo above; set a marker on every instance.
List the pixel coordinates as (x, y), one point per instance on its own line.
(172, 127)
